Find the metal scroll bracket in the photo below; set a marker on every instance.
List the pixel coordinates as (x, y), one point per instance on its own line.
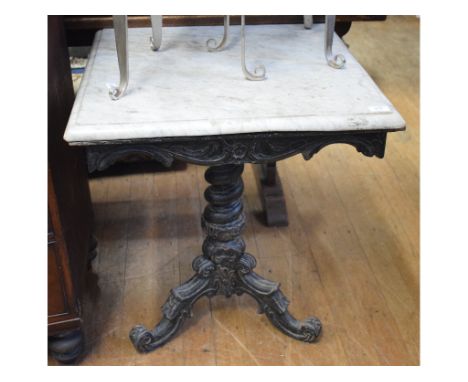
(259, 71)
(211, 44)
(308, 22)
(121, 42)
(156, 29)
(338, 60)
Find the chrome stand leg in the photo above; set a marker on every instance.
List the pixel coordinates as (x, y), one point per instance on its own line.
(259, 71)
(156, 26)
(121, 42)
(338, 60)
(211, 43)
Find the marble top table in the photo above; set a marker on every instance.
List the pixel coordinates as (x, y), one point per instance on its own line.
(187, 103)
(184, 90)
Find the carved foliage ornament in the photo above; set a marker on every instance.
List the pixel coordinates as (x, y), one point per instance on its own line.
(235, 149)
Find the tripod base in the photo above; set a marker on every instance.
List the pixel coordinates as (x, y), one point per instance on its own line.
(211, 279)
(224, 269)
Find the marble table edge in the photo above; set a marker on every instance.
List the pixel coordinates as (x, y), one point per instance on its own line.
(394, 122)
(232, 136)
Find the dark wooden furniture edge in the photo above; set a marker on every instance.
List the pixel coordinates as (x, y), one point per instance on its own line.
(70, 216)
(140, 21)
(81, 29)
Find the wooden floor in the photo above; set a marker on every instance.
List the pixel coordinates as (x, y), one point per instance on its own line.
(349, 256)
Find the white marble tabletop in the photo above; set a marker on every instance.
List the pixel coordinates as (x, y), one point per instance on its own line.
(184, 90)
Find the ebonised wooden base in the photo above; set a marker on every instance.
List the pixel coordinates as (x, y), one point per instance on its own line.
(271, 195)
(93, 249)
(224, 268)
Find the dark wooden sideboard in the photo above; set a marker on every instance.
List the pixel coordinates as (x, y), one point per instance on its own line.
(81, 29)
(69, 236)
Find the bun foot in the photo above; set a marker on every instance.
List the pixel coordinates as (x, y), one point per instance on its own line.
(68, 347)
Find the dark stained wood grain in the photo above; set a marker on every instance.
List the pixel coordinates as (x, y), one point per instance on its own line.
(81, 29)
(69, 204)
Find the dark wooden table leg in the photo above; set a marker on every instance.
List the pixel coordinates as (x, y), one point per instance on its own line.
(224, 268)
(93, 249)
(271, 194)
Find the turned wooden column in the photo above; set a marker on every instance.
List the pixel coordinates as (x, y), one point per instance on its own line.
(223, 221)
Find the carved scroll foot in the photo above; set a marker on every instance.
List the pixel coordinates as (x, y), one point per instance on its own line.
(177, 308)
(146, 340)
(274, 304)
